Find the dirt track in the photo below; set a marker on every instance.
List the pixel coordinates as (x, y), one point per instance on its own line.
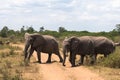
(55, 70)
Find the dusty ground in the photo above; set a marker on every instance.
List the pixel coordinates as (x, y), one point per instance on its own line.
(55, 70)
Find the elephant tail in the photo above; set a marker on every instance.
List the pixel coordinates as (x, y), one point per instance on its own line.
(117, 44)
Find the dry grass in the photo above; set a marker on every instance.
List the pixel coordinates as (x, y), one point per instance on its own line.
(107, 73)
(12, 66)
(110, 72)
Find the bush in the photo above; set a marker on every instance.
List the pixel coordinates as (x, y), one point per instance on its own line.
(113, 60)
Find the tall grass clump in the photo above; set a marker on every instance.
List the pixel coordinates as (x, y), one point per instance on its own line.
(113, 60)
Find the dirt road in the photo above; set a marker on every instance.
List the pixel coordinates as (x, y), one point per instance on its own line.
(55, 70)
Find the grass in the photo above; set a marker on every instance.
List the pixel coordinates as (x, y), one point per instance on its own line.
(106, 72)
(12, 66)
(112, 61)
(108, 68)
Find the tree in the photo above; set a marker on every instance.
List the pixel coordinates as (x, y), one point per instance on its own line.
(22, 29)
(41, 29)
(62, 29)
(118, 28)
(30, 29)
(4, 31)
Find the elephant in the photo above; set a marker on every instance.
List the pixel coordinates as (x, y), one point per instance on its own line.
(81, 46)
(87, 45)
(103, 45)
(40, 43)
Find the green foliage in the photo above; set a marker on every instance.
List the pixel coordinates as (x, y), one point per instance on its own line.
(4, 31)
(41, 29)
(15, 36)
(52, 33)
(62, 29)
(118, 28)
(30, 30)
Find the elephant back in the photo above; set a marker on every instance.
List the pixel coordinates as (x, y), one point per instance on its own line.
(50, 39)
(38, 40)
(103, 45)
(86, 45)
(51, 44)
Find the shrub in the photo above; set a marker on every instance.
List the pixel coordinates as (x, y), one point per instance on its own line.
(113, 60)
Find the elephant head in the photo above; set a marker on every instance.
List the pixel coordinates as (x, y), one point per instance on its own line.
(32, 40)
(69, 45)
(66, 49)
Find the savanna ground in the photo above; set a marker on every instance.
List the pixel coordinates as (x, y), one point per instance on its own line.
(12, 67)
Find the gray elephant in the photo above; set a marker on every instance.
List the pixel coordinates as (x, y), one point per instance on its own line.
(100, 45)
(103, 45)
(41, 43)
(82, 46)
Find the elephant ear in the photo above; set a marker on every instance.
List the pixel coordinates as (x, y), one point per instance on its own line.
(38, 40)
(74, 43)
(26, 36)
(74, 40)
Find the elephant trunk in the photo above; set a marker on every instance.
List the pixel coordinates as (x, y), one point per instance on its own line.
(26, 51)
(65, 54)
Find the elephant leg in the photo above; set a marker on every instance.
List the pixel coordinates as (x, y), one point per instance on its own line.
(64, 59)
(49, 58)
(73, 55)
(30, 54)
(26, 54)
(81, 60)
(93, 58)
(70, 58)
(61, 60)
(105, 55)
(39, 56)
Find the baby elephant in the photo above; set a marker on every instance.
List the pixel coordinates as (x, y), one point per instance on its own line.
(41, 43)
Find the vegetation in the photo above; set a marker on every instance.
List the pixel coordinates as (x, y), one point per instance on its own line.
(12, 66)
(10, 62)
(5, 32)
(112, 61)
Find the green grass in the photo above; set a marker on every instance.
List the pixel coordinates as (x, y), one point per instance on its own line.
(112, 61)
(108, 68)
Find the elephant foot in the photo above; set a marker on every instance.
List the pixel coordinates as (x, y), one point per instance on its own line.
(92, 62)
(27, 61)
(73, 66)
(48, 62)
(39, 62)
(80, 63)
(61, 61)
(64, 65)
